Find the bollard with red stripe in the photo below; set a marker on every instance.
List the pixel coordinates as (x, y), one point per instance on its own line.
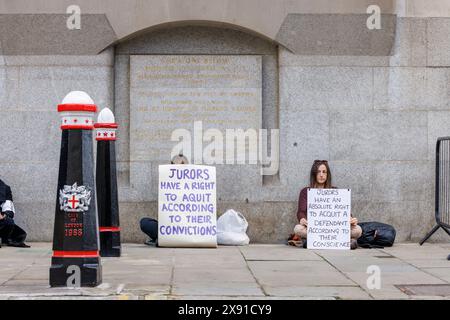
(106, 179)
(75, 235)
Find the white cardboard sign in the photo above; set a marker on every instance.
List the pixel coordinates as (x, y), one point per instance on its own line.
(329, 213)
(187, 206)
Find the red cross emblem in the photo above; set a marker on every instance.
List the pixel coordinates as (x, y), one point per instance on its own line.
(73, 201)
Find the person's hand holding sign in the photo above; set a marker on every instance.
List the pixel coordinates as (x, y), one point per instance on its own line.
(353, 221)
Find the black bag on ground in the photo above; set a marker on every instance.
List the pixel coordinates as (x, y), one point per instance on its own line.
(376, 235)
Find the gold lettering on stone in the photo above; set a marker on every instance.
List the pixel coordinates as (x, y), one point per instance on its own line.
(171, 92)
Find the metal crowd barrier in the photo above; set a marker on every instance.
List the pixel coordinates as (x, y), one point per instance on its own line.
(442, 192)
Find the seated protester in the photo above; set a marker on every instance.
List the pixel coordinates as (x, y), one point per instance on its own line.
(149, 225)
(320, 177)
(10, 234)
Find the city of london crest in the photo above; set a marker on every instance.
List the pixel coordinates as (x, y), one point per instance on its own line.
(75, 198)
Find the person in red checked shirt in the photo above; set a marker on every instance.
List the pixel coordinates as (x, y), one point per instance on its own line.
(320, 177)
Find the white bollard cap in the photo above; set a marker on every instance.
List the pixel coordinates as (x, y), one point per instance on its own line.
(106, 116)
(77, 97)
(77, 110)
(106, 125)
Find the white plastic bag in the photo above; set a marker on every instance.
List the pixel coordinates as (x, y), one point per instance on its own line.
(231, 229)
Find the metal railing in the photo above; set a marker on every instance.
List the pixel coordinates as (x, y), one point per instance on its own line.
(442, 192)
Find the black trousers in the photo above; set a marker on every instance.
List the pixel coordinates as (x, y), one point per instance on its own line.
(12, 233)
(150, 227)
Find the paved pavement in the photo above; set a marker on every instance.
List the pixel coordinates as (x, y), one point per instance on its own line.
(257, 271)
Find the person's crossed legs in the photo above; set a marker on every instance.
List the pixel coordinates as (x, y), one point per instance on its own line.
(301, 230)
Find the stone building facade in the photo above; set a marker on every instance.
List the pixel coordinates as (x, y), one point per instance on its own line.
(372, 102)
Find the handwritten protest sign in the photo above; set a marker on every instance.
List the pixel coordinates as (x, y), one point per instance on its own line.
(187, 206)
(329, 218)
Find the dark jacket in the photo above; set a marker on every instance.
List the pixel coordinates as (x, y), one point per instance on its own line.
(6, 194)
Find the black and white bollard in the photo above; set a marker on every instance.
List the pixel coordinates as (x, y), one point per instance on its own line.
(76, 259)
(106, 179)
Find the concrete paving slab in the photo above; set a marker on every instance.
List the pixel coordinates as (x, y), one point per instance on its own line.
(343, 292)
(263, 272)
(429, 263)
(155, 296)
(18, 263)
(415, 251)
(428, 298)
(278, 253)
(388, 292)
(33, 273)
(5, 277)
(40, 290)
(209, 261)
(188, 297)
(160, 261)
(152, 276)
(363, 265)
(441, 273)
(117, 297)
(217, 288)
(297, 273)
(7, 273)
(211, 265)
(426, 290)
(393, 278)
(201, 274)
(146, 289)
(28, 282)
(361, 252)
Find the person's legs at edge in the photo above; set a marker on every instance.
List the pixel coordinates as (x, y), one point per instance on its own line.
(17, 237)
(301, 230)
(5, 233)
(150, 227)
